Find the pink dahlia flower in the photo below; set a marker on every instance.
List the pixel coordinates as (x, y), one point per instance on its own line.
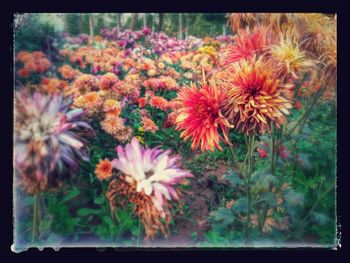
(154, 171)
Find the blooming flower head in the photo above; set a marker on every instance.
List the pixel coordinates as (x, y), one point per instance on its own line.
(112, 124)
(154, 171)
(86, 83)
(247, 44)
(142, 102)
(47, 139)
(262, 152)
(159, 102)
(149, 125)
(290, 59)
(52, 86)
(33, 62)
(201, 116)
(68, 72)
(254, 99)
(242, 20)
(108, 80)
(112, 107)
(103, 169)
(90, 101)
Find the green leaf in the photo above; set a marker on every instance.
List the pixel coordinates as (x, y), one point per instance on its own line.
(72, 193)
(262, 180)
(223, 215)
(303, 162)
(293, 198)
(100, 200)
(269, 198)
(319, 218)
(88, 211)
(240, 205)
(233, 178)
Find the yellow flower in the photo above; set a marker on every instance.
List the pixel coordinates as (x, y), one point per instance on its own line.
(161, 65)
(151, 72)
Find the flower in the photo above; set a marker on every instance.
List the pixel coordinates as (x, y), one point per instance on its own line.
(241, 20)
(32, 62)
(48, 139)
(230, 203)
(284, 152)
(68, 72)
(149, 125)
(86, 83)
(52, 86)
(151, 72)
(290, 59)
(124, 134)
(247, 44)
(262, 152)
(201, 116)
(108, 80)
(112, 124)
(112, 107)
(142, 102)
(298, 105)
(103, 169)
(254, 99)
(154, 171)
(159, 102)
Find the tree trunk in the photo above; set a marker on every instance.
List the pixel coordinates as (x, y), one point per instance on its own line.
(161, 17)
(224, 30)
(187, 18)
(91, 23)
(144, 20)
(133, 21)
(119, 24)
(180, 26)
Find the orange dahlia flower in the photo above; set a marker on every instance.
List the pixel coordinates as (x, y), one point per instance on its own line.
(200, 116)
(247, 44)
(254, 95)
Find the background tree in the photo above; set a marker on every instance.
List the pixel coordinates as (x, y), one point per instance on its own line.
(134, 18)
(160, 23)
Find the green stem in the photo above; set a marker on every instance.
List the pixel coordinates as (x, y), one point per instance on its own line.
(299, 85)
(272, 149)
(249, 172)
(306, 113)
(234, 155)
(139, 233)
(35, 216)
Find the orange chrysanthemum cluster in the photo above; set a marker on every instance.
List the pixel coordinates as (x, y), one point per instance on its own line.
(201, 115)
(112, 107)
(114, 125)
(91, 101)
(159, 102)
(254, 96)
(148, 125)
(103, 170)
(85, 83)
(68, 72)
(161, 83)
(52, 86)
(32, 62)
(108, 81)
